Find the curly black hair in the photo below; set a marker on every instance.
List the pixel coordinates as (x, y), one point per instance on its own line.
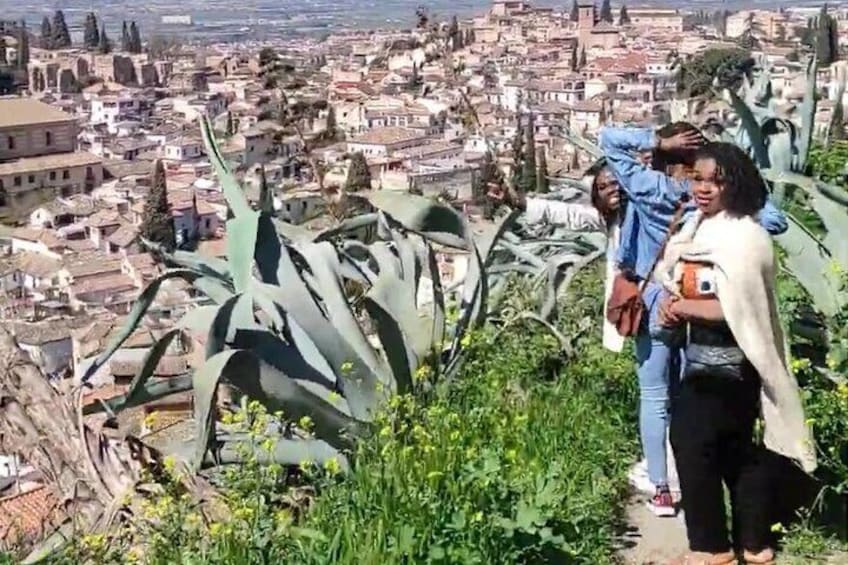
(744, 190)
(662, 159)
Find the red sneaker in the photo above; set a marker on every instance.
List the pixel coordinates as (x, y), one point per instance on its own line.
(662, 504)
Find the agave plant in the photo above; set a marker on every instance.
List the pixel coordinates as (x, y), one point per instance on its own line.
(280, 328)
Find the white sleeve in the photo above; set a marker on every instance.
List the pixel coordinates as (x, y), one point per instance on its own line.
(572, 216)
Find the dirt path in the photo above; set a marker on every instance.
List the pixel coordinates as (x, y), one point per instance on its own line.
(650, 540)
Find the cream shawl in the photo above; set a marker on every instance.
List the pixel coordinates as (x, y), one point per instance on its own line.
(743, 261)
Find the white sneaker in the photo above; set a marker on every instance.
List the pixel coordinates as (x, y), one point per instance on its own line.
(638, 477)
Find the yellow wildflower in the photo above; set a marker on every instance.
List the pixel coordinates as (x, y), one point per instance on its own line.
(170, 464)
(305, 464)
(215, 529)
(346, 367)
(244, 513)
(305, 423)
(268, 445)
(466, 340)
(150, 419)
(334, 397)
(386, 431)
(423, 373)
(283, 518)
(332, 466)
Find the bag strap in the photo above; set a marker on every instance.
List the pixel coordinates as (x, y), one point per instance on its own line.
(673, 224)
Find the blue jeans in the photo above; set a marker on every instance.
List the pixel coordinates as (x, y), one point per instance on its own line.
(658, 365)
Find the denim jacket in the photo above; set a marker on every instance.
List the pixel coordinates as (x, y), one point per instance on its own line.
(652, 198)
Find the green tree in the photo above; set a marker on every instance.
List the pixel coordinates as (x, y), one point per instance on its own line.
(517, 155)
(837, 122)
(582, 62)
(157, 225)
(266, 196)
(752, 32)
(623, 16)
(46, 34)
(528, 171)
(23, 46)
(231, 127)
(574, 64)
(61, 35)
(574, 15)
(105, 43)
(825, 34)
(135, 39)
(720, 22)
(469, 36)
(727, 66)
(331, 129)
(358, 174)
(454, 34)
(125, 37)
(542, 183)
(606, 11)
(91, 33)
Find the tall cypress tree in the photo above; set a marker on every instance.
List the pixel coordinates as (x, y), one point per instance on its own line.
(454, 35)
(542, 183)
(623, 16)
(61, 35)
(125, 37)
(574, 66)
(135, 39)
(606, 11)
(517, 155)
(837, 122)
(358, 175)
(105, 46)
(582, 62)
(528, 173)
(266, 197)
(231, 126)
(91, 33)
(2, 51)
(157, 225)
(46, 34)
(23, 46)
(575, 11)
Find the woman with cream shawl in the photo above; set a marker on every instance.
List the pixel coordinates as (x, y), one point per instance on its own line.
(720, 273)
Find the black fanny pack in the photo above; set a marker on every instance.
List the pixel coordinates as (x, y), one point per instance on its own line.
(712, 351)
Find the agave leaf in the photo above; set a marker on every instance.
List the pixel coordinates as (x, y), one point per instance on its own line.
(205, 382)
(751, 127)
(291, 232)
(216, 336)
(154, 389)
(555, 271)
(808, 115)
(421, 215)
(214, 289)
(438, 302)
(278, 392)
(212, 267)
(198, 320)
(139, 309)
(346, 226)
(267, 252)
(281, 355)
(287, 452)
(232, 191)
(810, 264)
(241, 247)
(151, 361)
(565, 343)
(295, 298)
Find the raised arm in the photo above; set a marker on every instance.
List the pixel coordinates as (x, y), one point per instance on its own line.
(640, 183)
(572, 216)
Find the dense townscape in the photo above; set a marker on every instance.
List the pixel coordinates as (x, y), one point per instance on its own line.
(112, 147)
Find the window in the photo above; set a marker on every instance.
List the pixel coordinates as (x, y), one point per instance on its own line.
(31, 179)
(66, 174)
(17, 181)
(52, 175)
(11, 142)
(48, 138)
(208, 224)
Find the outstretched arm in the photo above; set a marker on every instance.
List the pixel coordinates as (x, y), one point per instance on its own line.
(572, 216)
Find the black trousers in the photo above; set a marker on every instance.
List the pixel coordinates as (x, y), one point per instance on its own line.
(711, 431)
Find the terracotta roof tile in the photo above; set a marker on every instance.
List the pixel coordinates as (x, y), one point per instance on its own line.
(27, 515)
